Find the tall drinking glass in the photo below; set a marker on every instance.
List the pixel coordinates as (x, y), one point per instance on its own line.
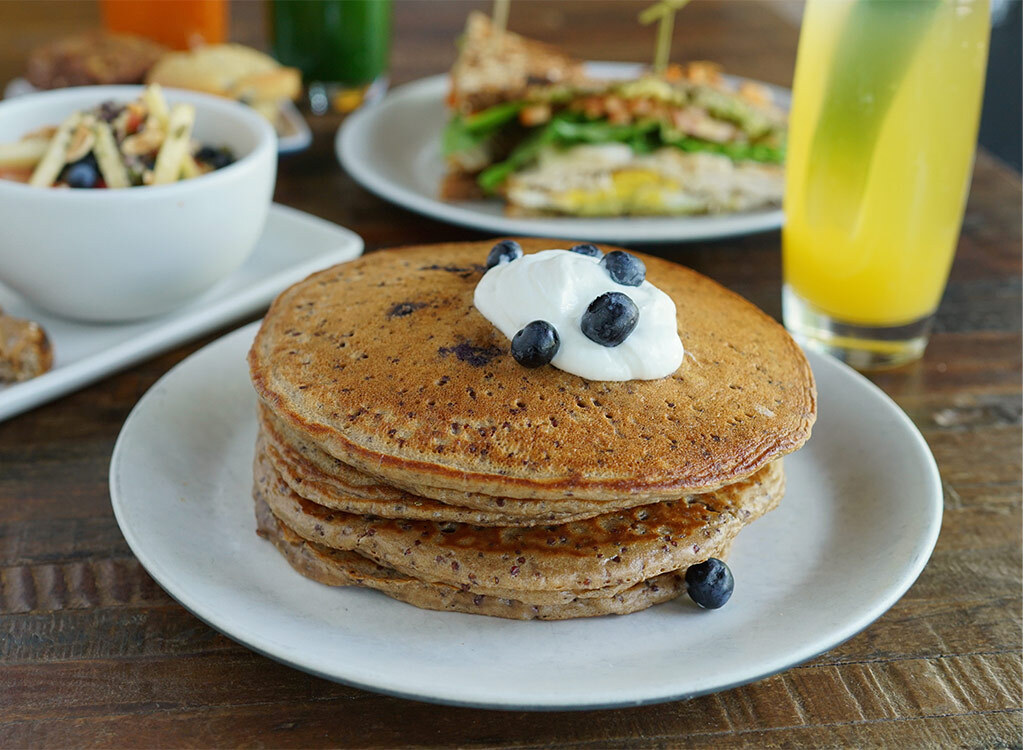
(882, 132)
(341, 47)
(180, 24)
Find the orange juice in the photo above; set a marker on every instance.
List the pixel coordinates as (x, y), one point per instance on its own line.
(881, 141)
(179, 24)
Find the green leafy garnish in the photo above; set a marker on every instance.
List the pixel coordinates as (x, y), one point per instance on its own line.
(733, 109)
(464, 133)
(521, 155)
(492, 118)
(568, 129)
(457, 137)
(736, 150)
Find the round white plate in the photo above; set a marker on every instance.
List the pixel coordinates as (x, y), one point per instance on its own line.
(856, 527)
(394, 150)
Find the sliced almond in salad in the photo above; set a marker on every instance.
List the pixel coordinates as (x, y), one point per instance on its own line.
(82, 140)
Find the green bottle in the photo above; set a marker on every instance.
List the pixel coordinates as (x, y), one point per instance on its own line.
(333, 42)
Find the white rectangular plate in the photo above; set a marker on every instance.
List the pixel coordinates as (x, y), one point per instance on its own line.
(294, 245)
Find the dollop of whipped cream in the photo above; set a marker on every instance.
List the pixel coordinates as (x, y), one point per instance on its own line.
(557, 286)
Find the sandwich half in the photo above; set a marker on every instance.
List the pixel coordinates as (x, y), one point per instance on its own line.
(528, 125)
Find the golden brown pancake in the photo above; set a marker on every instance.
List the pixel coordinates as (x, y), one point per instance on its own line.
(342, 568)
(320, 477)
(385, 364)
(306, 482)
(325, 480)
(618, 549)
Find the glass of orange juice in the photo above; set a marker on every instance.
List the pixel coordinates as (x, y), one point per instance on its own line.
(179, 24)
(882, 132)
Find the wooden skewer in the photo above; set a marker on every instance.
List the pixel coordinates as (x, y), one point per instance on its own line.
(500, 15)
(664, 12)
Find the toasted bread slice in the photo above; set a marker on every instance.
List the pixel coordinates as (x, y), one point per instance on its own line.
(495, 66)
(231, 70)
(460, 186)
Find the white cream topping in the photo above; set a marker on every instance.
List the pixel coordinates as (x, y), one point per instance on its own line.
(557, 286)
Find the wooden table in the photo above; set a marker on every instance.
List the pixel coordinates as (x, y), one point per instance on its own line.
(93, 653)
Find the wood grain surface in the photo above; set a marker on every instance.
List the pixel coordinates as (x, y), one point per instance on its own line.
(94, 654)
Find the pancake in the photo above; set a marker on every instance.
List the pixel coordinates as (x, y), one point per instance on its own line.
(617, 549)
(385, 364)
(342, 568)
(325, 480)
(307, 482)
(266, 484)
(526, 597)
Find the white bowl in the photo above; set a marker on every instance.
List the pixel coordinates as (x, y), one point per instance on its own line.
(116, 255)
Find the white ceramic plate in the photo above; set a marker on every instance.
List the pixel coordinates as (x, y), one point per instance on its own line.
(293, 133)
(293, 245)
(854, 531)
(394, 150)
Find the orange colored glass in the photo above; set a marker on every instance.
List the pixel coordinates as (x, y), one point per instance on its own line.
(179, 24)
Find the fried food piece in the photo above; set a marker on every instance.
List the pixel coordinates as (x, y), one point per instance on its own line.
(91, 58)
(25, 350)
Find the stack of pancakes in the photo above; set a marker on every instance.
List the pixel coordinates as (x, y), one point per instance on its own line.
(403, 449)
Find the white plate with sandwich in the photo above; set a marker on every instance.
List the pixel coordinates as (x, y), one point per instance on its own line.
(522, 139)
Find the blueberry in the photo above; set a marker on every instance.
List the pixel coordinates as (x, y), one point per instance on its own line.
(624, 268)
(536, 344)
(505, 251)
(108, 111)
(610, 319)
(709, 583)
(82, 174)
(587, 249)
(217, 158)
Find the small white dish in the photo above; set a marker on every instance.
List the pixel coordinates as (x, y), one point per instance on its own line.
(293, 245)
(393, 149)
(857, 525)
(293, 133)
(117, 255)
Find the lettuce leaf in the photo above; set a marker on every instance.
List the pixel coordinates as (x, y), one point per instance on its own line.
(463, 133)
(568, 129)
(457, 137)
(737, 151)
(527, 151)
(492, 118)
